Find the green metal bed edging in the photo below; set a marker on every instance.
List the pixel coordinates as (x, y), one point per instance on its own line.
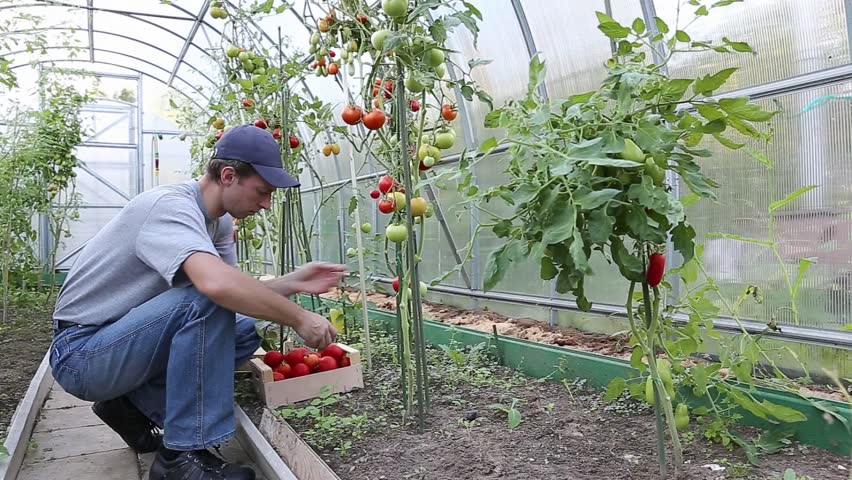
(554, 362)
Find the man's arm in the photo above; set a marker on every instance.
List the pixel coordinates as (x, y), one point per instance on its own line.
(281, 285)
(232, 289)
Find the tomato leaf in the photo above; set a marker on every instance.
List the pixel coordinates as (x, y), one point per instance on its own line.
(438, 31)
(728, 142)
(785, 414)
(591, 200)
(804, 264)
(707, 84)
(578, 253)
(662, 27)
(790, 198)
(548, 270)
(537, 70)
(741, 47)
(560, 223)
(498, 263)
(759, 156)
(628, 264)
(701, 11)
(683, 237)
(699, 379)
(639, 26)
(615, 389)
(353, 203)
(503, 228)
(709, 112)
(682, 36)
(599, 226)
(614, 30)
(636, 358)
(740, 108)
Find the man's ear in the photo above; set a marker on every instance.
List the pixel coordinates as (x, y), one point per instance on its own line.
(228, 175)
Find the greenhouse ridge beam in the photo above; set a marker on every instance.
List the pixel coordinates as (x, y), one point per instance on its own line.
(188, 42)
(829, 338)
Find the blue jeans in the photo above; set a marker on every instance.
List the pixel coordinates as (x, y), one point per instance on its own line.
(173, 357)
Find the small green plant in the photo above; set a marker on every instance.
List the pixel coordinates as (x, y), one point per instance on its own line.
(513, 416)
(4, 454)
(327, 430)
(790, 474)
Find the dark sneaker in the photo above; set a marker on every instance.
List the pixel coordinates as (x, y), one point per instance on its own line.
(130, 424)
(197, 465)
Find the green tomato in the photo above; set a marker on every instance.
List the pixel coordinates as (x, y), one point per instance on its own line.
(681, 416)
(351, 252)
(378, 38)
(656, 173)
(395, 8)
(233, 51)
(323, 52)
(248, 67)
(632, 151)
(440, 70)
(396, 233)
(429, 161)
(315, 38)
(445, 140)
(649, 390)
(366, 228)
(398, 201)
(413, 85)
(257, 79)
(434, 57)
(428, 151)
(423, 289)
(244, 56)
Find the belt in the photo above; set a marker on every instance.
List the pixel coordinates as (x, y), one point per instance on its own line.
(62, 325)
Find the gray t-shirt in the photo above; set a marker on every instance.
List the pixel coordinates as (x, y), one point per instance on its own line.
(138, 254)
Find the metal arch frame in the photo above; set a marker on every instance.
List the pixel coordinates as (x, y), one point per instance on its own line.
(185, 48)
(112, 64)
(111, 52)
(104, 32)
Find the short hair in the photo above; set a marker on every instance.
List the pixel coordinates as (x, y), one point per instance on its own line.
(215, 166)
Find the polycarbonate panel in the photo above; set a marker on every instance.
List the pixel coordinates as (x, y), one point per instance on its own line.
(294, 34)
(166, 34)
(174, 158)
(438, 256)
(500, 40)
(309, 210)
(111, 126)
(152, 7)
(198, 81)
(809, 148)
(576, 51)
(132, 47)
(43, 16)
(790, 37)
(93, 191)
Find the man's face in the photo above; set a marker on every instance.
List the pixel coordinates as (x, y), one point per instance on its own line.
(244, 196)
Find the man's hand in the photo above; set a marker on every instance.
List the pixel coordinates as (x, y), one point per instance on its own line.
(316, 331)
(315, 277)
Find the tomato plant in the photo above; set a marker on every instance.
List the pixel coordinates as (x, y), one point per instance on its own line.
(587, 176)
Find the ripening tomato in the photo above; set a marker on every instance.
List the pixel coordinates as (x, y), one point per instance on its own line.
(414, 104)
(656, 268)
(375, 193)
(385, 206)
(294, 142)
(374, 120)
(448, 113)
(386, 183)
(332, 69)
(352, 114)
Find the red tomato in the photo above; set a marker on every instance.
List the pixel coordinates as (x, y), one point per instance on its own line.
(656, 268)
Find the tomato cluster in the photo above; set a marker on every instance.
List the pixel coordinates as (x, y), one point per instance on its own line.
(302, 361)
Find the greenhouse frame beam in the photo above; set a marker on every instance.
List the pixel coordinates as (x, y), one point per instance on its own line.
(112, 64)
(185, 48)
(529, 40)
(823, 338)
(90, 18)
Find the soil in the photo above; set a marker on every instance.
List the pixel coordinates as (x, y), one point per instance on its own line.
(24, 338)
(566, 431)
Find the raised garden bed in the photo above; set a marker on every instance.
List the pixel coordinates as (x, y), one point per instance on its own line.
(565, 429)
(24, 338)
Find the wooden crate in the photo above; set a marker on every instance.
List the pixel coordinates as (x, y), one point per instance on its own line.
(292, 390)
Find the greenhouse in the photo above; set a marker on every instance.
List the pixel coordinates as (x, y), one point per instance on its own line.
(426, 239)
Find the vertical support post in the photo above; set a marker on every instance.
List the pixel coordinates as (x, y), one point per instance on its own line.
(140, 138)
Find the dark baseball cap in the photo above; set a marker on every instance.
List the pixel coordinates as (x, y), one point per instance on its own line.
(255, 146)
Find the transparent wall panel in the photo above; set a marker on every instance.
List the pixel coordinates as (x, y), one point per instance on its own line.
(309, 210)
(114, 165)
(438, 255)
(174, 160)
(166, 34)
(523, 275)
(576, 51)
(149, 7)
(790, 37)
(810, 148)
(500, 40)
(114, 124)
